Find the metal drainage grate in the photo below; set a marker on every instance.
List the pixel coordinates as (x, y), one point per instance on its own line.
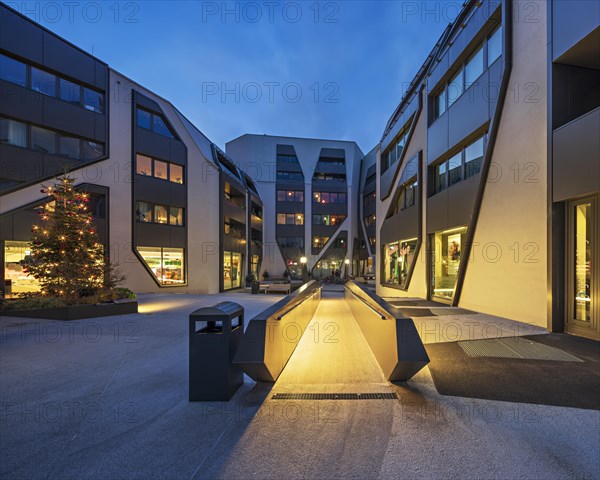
(334, 396)
(515, 347)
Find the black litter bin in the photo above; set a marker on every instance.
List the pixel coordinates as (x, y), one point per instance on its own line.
(215, 334)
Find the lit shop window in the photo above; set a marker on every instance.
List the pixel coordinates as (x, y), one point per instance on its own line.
(14, 273)
(397, 261)
(166, 264)
(445, 261)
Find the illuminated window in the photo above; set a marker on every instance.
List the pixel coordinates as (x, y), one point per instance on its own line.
(143, 165)
(166, 264)
(14, 254)
(160, 214)
(160, 169)
(175, 173)
(144, 212)
(176, 216)
(398, 258)
(445, 261)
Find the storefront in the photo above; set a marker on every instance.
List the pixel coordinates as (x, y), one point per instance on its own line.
(446, 248)
(232, 270)
(166, 264)
(398, 258)
(15, 279)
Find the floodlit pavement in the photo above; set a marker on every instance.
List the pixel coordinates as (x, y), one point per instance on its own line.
(77, 406)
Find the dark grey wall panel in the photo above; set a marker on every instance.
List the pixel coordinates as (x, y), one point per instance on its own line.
(70, 118)
(403, 118)
(571, 21)
(461, 198)
(469, 112)
(14, 30)
(437, 138)
(62, 57)
(437, 212)
(402, 226)
(151, 235)
(152, 144)
(21, 103)
(178, 237)
(576, 154)
(439, 71)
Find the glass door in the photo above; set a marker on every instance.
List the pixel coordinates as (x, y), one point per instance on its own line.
(582, 272)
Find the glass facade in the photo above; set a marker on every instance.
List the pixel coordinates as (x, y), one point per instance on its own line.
(13, 132)
(232, 270)
(445, 260)
(583, 241)
(398, 257)
(166, 264)
(20, 282)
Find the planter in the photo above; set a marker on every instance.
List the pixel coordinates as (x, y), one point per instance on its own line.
(77, 312)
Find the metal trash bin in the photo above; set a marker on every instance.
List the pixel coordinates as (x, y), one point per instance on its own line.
(215, 334)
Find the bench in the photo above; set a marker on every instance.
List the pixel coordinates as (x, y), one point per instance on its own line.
(275, 287)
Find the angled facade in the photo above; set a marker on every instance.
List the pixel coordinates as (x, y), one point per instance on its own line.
(172, 209)
(310, 190)
(488, 170)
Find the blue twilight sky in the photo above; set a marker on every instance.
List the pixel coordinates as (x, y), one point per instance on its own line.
(331, 70)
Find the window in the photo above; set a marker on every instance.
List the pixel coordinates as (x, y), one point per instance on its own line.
(445, 261)
(329, 177)
(92, 150)
(176, 173)
(494, 45)
(13, 133)
(398, 257)
(144, 212)
(290, 219)
(160, 169)
(144, 119)
(143, 165)
(289, 175)
(160, 126)
(69, 147)
(455, 87)
(43, 140)
(166, 264)
(455, 169)
(319, 242)
(176, 216)
(43, 82)
(93, 100)
(400, 145)
(473, 158)
(440, 103)
(290, 196)
(329, 197)
(474, 67)
(440, 177)
(13, 71)
(291, 242)
(160, 214)
(70, 92)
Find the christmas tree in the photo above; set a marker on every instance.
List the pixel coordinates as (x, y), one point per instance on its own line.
(67, 258)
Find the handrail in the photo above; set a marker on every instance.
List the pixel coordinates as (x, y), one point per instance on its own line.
(291, 300)
(279, 317)
(383, 317)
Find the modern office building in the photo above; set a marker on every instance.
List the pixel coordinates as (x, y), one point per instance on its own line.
(310, 190)
(171, 208)
(488, 170)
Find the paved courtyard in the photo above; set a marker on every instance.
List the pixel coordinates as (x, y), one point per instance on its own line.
(107, 398)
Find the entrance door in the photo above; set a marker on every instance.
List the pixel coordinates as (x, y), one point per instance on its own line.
(583, 282)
